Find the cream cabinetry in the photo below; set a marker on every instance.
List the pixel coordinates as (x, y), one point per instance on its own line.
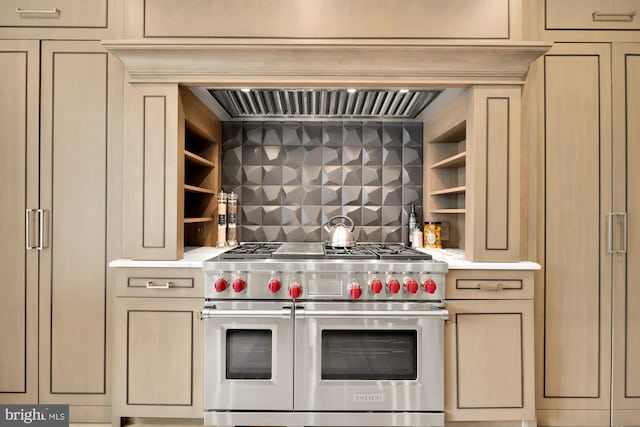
(460, 19)
(172, 171)
(489, 310)
(472, 173)
(158, 344)
(61, 179)
(587, 238)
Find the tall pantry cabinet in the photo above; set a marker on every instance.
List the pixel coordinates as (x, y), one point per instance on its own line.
(57, 125)
(588, 304)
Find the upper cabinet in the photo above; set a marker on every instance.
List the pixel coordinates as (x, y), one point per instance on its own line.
(443, 19)
(589, 20)
(60, 19)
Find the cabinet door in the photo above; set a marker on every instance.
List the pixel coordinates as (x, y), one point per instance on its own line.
(574, 299)
(158, 357)
(19, 112)
(152, 228)
(626, 292)
(482, 383)
(493, 175)
(73, 193)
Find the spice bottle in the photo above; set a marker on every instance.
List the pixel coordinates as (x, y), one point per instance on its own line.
(222, 219)
(412, 223)
(416, 240)
(232, 218)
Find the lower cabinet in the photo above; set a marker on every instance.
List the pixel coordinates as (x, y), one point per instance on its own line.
(158, 354)
(489, 368)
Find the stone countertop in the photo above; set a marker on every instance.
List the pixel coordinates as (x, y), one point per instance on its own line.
(193, 258)
(456, 261)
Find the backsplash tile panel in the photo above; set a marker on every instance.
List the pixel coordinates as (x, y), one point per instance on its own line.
(292, 177)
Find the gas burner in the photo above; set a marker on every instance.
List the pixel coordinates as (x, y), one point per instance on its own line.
(251, 251)
(354, 252)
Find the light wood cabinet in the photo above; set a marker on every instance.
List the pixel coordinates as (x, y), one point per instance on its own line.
(586, 223)
(466, 19)
(158, 347)
(67, 187)
(482, 384)
(172, 172)
(472, 173)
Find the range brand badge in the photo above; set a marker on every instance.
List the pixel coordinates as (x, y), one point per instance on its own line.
(34, 415)
(368, 397)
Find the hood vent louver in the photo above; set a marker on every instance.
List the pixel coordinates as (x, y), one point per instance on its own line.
(324, 103)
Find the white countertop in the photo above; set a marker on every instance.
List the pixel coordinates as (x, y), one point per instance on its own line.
(195, 256)
(455, 259)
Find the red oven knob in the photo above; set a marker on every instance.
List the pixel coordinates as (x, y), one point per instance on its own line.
(221, 284)
(274, 285)
(375, 285)
(394, 286)
(238, 285)
(295, 290)
(430, 286)
(411, 286)
(355, 290)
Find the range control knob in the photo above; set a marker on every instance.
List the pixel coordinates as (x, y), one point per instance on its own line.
(375, 285)
(274, 285)
(355, 290)
(393, 285)
(295, 290)
(430, 286)
(411, 285)
(239, 285)
(221, 284)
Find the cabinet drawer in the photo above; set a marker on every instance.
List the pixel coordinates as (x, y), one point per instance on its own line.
(54, 13)
(592, 15)
(158, 282)
(489, 284)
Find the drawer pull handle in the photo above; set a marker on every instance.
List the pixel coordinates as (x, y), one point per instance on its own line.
(613, 17)
(54, 11)
(152, 285)
(490, 288)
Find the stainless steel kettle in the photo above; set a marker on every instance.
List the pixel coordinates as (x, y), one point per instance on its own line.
(340, 234)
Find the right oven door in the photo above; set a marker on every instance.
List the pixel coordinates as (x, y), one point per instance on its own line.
(369, 357)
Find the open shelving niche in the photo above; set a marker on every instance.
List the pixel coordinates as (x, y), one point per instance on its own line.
(200, 140)
(445, 171)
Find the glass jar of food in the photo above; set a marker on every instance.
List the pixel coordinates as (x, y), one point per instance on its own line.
(433, 234)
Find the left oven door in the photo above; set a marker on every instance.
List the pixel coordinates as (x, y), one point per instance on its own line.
(248, 356)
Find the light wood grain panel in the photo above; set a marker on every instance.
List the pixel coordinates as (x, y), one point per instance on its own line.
(71, 13)
(73, 190)
(155, 168)
(19, 70)
(574, 311)
(328, 19)
(626, 292)
(489, 284)
(579, 15)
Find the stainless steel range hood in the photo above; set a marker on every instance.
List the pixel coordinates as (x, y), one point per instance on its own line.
(323, 103)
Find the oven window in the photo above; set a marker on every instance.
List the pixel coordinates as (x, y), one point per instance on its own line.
(369, 355)
(249, 354)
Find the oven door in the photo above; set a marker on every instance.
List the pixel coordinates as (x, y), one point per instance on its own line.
(369, 357)
(248, 356)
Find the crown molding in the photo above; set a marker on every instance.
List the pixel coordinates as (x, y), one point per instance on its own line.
(326, 62)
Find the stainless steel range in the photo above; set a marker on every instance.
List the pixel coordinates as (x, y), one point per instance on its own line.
(302, 334)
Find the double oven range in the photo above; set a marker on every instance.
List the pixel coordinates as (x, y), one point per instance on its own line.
(302, 334)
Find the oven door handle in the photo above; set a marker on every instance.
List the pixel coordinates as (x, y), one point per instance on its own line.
(215, 313)
(302, 313)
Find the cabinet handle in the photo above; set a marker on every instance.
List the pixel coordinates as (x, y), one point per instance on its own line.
(54, 11)
(610, 225)
(613, 17)
(43, 235)
(610, 232)
(490, 288)
(28, 238)
(152, 285)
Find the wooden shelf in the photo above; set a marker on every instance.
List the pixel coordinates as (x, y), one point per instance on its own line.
(200, 190)
(455, 161)
(453, 190)
(200, 131)
(196, 220)
(448, 211)
(194, 158)
(454, 134)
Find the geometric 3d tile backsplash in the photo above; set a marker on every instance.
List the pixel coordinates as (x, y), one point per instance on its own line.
(292, 177)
